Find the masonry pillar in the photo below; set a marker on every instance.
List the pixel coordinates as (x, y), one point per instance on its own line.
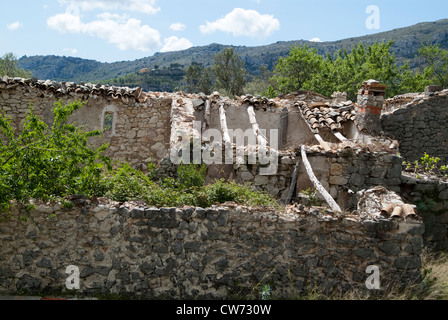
(369, 106)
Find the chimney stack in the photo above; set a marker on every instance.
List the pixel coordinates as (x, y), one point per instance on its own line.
(369, 106)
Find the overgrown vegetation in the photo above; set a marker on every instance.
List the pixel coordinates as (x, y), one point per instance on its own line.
(52, 162)
(427, 165)
(127, 184)
(44, 162)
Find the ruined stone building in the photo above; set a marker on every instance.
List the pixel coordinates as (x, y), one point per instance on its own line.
(353, 151)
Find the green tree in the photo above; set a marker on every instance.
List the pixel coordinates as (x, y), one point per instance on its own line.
(198, 79)
(206, 80)
(345, 71)
(435, 60)
(259, 85)
(348, 70)
(48, 161)
(9, 67)
(412, 81)
(229, 72)
(193, 77)
(294, 72)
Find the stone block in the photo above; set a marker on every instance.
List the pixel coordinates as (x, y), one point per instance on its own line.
(131, 134)
(357, 180)
(338, 180)
(443, 195)
(261, 180)
(247, 176)
(336, 169)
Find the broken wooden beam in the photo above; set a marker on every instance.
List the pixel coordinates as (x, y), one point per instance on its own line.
(292, 185)
(327, 197)
(338, 135)
(207, 116)
(261, 139)
(225, 130)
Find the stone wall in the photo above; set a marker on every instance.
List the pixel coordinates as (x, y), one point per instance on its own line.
(146, 125)
(431, 198)
(353, 170)
(342, 173)
(140, 127)
(196, 253)
(419, 126)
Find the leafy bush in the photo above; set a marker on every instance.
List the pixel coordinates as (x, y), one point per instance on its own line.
(125, 183)
(221, 191)
(44, 162)
(51, 162)
(427, 165)
(191, 176)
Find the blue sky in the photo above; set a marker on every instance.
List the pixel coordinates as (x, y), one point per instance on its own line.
(117, 30)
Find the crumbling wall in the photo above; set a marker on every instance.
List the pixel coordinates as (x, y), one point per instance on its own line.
(431, 199)
(139, 125)
(419, 125)
(195, 253)
(342, 173)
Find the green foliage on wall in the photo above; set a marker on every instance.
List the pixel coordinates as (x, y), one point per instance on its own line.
(52, 162)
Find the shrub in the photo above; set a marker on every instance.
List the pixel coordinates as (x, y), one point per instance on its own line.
(47, 163)
(427, 165)
(221, 191)
(125, 183)
(191, 176)
(44, 161)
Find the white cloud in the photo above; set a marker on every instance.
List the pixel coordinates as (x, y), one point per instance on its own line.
(315, 40)
(145, 6)
(112, 16)
(175, 44)
(177, 26)
(241, 22)
(71, 51)
(125, 33)
(14, 26)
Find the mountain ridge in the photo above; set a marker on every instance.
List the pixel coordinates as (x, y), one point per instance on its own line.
(61, 68)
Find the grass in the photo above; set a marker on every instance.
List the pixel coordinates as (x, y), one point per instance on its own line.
(435, 281)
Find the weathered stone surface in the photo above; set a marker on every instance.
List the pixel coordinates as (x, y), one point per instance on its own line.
(220, 244)
(338, 180)
(410, 262)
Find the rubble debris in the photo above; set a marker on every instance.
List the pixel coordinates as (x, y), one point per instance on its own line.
(378, 202)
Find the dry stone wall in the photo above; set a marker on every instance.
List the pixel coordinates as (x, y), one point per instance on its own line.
(431, 198)
(419, 126)
(196, 253)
